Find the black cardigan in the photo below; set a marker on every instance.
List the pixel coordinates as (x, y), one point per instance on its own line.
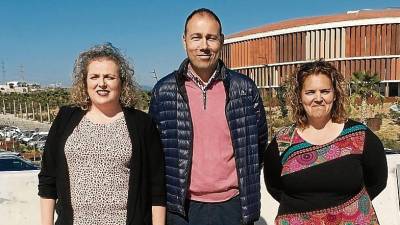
(146, 179)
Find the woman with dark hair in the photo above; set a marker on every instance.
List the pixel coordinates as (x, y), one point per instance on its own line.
(325, 168)
(103, 161)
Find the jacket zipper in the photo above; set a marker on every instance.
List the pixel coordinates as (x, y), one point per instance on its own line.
(204, 99)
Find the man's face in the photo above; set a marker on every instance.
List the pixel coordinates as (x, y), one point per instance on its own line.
(203, 42)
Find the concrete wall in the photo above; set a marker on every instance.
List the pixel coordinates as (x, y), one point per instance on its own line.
(19, 203)
(387, 203)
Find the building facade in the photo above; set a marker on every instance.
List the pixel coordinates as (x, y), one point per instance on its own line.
(19, 87)
(364, 40)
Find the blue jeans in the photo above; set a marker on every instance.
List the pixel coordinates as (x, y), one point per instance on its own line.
(203, 213)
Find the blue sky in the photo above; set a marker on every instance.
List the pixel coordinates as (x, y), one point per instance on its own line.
(45, 36)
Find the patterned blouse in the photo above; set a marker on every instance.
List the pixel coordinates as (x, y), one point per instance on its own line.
(332, 183)
(98, 157)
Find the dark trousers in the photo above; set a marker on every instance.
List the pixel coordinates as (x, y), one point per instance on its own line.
(203, 213)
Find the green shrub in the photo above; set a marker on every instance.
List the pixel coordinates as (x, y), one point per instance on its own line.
(279, 122)
(392, 144)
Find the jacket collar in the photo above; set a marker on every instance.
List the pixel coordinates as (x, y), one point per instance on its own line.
(180, 76)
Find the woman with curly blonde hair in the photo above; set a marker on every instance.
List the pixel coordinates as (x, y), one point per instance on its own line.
(102, 162)
(325, 168)
(79, 93)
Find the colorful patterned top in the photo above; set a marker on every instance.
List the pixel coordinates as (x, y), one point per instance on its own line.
(331, 183)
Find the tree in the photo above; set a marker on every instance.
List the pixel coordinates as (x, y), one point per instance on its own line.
(364, 85)
(281, 94)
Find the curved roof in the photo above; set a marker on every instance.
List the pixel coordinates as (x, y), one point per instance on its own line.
(350, 15)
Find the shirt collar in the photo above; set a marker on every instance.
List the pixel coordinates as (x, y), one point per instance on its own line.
(197, 79)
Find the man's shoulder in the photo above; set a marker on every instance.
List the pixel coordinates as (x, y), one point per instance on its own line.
(241, 81)
(168, 80)
(239, 77)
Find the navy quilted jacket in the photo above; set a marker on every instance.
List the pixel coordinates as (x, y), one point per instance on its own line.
(246, 119)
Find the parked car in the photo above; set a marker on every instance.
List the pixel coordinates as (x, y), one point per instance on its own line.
(25, 134)
(40, 145)
(33, 136)
(10, 131)
(5, 153)
(37, 139)
(27, 137)
(15, 163)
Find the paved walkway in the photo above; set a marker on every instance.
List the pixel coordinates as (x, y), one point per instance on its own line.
(23, 124)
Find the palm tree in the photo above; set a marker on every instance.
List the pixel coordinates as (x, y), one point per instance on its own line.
(364, 85)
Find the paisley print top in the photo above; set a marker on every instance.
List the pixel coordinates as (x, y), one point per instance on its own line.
(331, 183)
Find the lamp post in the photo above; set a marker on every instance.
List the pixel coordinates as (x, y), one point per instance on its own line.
(269, 93)
(154, 75)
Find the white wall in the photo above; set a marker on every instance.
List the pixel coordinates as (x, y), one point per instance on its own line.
(387, 203)
(19, 203)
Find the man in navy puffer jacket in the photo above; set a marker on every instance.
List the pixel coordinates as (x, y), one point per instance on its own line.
(213, 129)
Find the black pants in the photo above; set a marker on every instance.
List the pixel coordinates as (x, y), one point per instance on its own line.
(203, 213)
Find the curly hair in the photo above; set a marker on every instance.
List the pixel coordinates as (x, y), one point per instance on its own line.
(296, 82)
(129, 87)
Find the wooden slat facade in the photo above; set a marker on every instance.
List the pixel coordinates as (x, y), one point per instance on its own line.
(376, 48)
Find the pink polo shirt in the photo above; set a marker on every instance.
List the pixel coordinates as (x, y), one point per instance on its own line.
(213, 175)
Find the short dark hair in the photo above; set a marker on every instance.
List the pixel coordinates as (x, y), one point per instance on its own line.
(203, 11)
